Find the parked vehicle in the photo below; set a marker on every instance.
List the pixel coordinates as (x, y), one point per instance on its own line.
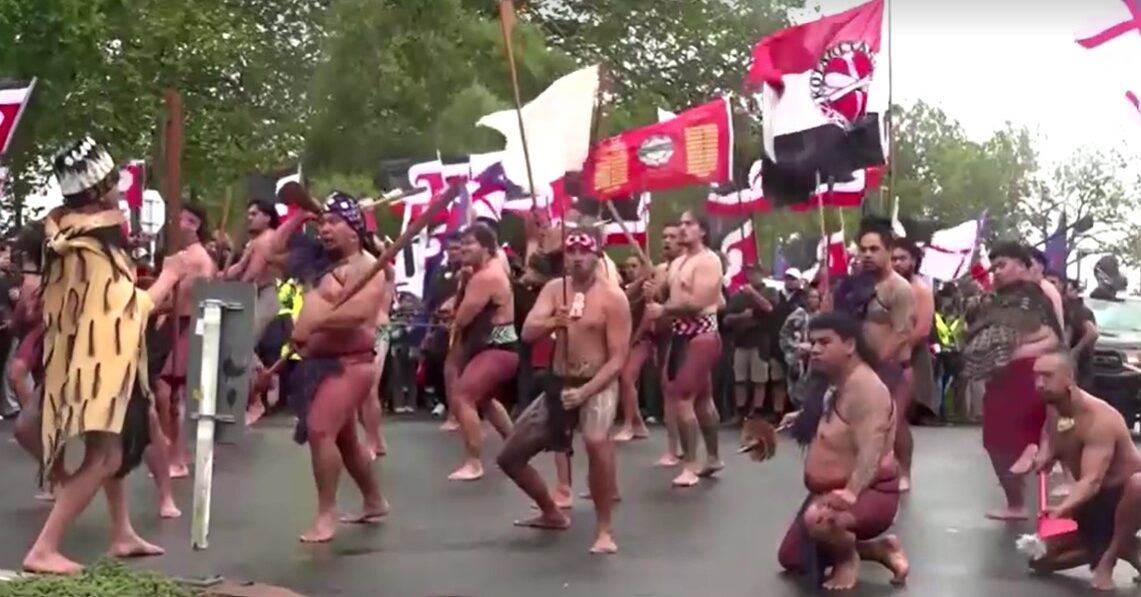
(1117, 355)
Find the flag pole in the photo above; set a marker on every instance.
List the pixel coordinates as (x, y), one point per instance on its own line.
(890, 106)
(506, 24)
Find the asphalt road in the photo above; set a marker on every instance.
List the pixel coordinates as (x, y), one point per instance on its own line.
(446, 538)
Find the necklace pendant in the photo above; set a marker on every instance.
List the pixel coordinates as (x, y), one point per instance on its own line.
(1065, 424)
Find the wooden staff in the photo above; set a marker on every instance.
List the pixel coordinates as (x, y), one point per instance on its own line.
(172, 154)
(629, 236)
(303, 199)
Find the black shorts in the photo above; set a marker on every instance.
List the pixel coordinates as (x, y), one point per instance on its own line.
(1096, 520)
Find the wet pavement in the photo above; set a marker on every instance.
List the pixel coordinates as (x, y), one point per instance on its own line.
(455, 539)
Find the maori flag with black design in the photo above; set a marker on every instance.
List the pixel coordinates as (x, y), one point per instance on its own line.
(821, 111)
(14, 96)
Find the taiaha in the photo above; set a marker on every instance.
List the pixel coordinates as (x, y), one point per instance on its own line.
(172, 179)
(507, 21)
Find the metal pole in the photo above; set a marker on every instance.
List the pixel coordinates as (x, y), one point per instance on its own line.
(204, 445)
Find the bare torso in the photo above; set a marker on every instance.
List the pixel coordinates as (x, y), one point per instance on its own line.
(582, 349)
(832, 454)
(1097, 420)
(319, 301)
(682, 278)
(199, 264)
(494, 281)
(891, 313)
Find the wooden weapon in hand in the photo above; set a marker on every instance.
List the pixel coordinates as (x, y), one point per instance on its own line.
(299, 197)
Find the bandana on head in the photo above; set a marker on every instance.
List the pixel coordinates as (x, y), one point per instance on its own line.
(582, 241)
(345, 207)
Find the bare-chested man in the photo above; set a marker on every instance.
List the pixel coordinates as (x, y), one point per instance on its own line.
(336, 373)
(592, 320)
(1017, 326)
(657, 289)
(485, 361)
(1090, 438)
(171, 385)
(641, 348)
(889, 325)
(1038, 267)
(850, 471)
(906, 258)
(695, 346)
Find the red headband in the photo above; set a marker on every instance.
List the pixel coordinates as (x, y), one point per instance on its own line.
(581, 241)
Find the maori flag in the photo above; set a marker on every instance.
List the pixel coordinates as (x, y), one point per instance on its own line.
(14, 97)
(1115, 21)
(821, 110)
(694, 148)
(751, 200)
(740, 249)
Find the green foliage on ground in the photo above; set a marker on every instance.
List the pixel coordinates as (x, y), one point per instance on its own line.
(104, 579)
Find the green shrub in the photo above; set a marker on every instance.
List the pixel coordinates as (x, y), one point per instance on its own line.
(104, 579)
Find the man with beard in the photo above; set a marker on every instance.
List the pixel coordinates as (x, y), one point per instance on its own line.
(694, 286)
(1090, 438)
(335, 374)
(1015, 327)
(592, 321)
(486, 358)
(95, 370)
(169, 391)
(850, 471)
(633, 426)
(906, 258)
(889, 321)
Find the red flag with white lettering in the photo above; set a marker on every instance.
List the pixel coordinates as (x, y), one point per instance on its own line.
(740, 249)
(14, 97)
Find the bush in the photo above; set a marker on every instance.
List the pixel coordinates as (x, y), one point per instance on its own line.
(104, 579)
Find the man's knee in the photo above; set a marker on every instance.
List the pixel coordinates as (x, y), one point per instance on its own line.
(597, 443)
(104, 454)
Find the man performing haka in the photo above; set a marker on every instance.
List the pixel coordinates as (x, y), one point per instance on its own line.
(486, 358)
(1091, 439)
(95, 370)
(850, 471)
(906, 258)
(656, 291)
(335, 374)
(1018, 325)
(593, 329)
(170, 389)
(888, 327)
(694, 288)
(641, 349)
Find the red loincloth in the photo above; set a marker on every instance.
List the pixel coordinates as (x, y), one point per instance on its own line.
(1013, 414)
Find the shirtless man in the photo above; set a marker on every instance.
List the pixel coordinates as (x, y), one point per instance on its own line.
(657, 288)
(592, 320)
(371, 411)
(169, 390)
(1090, 438)
(694, 287)
(336, 373)
(641, 349)
(1038, 267)
(485, 361)
(889, 326)
(850, 471)
(906, 258)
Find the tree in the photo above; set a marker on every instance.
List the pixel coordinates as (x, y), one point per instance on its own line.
(941, 175)
(102, 65)
(408, 79)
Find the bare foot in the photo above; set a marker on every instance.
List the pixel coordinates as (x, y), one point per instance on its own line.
(133, 546)
(548, 522)
(382, 448)
(1007, 514)
(563, 497)
(641, 431)
(668, 461)
(904, 483)
(624, 435)
(50, 563)
(254, 413)
(1025, 462)
(450, 424)
(888, 551)
(468, 472)
(167, 509)
(604, 545)
(371, 514)
(179, 471)
(687, 478)
(322, 530)
(843, 575)
(711, 468)
(1103, 578)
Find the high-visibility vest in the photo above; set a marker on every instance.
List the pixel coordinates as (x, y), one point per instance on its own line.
(948, 334)
(290, 297)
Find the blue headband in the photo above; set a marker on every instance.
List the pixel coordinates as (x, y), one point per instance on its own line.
(346, 208)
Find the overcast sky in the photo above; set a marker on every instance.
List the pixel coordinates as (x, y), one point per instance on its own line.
(986, 62)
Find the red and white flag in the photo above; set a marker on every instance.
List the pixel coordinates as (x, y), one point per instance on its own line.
(132, 183)
(752, 200)
(693, 148)
(1112, 31)
(740, 249)
(821, 101)
(635, 216)
(14, 97)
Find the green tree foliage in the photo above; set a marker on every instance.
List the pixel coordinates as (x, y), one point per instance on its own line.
(242, 68)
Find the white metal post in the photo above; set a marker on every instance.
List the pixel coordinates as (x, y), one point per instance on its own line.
(207, 401)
